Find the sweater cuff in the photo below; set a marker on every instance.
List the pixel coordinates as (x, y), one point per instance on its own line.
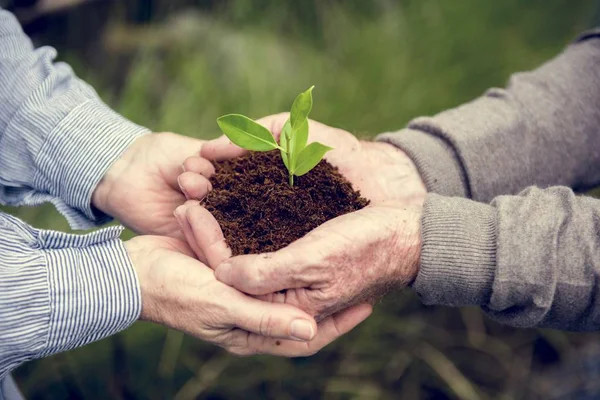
(458, 255)
(435, 159)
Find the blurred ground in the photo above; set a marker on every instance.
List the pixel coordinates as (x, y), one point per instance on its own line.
(177, 65)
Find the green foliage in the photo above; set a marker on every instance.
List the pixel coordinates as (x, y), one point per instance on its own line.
(377, 64)
(298, 158)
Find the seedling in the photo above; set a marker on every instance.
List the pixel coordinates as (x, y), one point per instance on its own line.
(297, 157)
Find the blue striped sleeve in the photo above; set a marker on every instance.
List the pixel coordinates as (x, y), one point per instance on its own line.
(60, 291)
(57, 138)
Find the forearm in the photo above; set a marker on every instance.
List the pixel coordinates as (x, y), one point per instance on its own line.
(57, 138)
(531, 260)
(543, 129)
(60, 291)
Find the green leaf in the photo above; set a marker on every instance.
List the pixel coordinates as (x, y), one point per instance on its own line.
(286, 131)
(301, 108)
(246, 133)
(310, 157)
(298, 142)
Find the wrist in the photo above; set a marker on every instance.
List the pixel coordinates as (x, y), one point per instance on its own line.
(394, 174)
(151, 258)
(434, 158)
(399, 250)
(409, 244)
(101, 197)
(138, 255)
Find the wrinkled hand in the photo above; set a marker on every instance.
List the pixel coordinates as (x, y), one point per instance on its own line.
(182, 293)
(141, 189)
(348, 260)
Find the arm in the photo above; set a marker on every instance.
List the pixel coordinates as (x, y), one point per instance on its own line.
(57, 138)
(528, 260)
(543, 129)
(60, 291)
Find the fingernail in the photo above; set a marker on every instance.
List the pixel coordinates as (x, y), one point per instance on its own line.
(302, 329)
(177, 212)
(223, 273)
(183, 167)
(185, 193)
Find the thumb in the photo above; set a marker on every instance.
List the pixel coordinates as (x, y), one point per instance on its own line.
(220, 149)
(258, 274)
(274, 320)
(203, 233)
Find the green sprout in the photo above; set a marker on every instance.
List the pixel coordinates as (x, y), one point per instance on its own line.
(297, 157)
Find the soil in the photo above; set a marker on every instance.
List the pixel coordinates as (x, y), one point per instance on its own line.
(259, 212)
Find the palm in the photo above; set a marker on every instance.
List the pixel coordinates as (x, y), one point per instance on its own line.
(377, 170)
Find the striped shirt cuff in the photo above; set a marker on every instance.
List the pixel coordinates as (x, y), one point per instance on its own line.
(77, 154)
(94, 290)
(60, 291)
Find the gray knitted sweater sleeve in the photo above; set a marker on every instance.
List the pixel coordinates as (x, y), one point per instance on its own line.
(531, 259)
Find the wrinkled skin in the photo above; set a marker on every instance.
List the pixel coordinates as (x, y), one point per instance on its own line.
(182, 293)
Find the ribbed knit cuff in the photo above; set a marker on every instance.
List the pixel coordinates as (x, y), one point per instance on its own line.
(435, 159)
(458, 255)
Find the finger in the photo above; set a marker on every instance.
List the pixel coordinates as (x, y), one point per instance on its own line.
(327, 331)
(208, 236)
(186, 229)
(194, 186)
(274, 123)
(271, 320)
(257, 274)
(221, 149)
(198, 165)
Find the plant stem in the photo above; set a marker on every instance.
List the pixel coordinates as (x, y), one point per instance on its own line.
(291, 180)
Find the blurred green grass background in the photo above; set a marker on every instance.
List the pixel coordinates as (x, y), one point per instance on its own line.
(178, 65)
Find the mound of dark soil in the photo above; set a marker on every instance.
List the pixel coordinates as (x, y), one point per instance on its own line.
(259, 212)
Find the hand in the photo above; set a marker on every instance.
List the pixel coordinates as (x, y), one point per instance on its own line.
(380, 171)
(348, 260)
(141, 188)
(182, 293)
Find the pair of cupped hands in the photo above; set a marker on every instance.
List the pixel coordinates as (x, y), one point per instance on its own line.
(291, 302)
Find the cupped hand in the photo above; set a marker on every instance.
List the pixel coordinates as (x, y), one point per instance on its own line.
(180, 292)
(347, 260)
(141, 188)
(380, 171)
(351, 259)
